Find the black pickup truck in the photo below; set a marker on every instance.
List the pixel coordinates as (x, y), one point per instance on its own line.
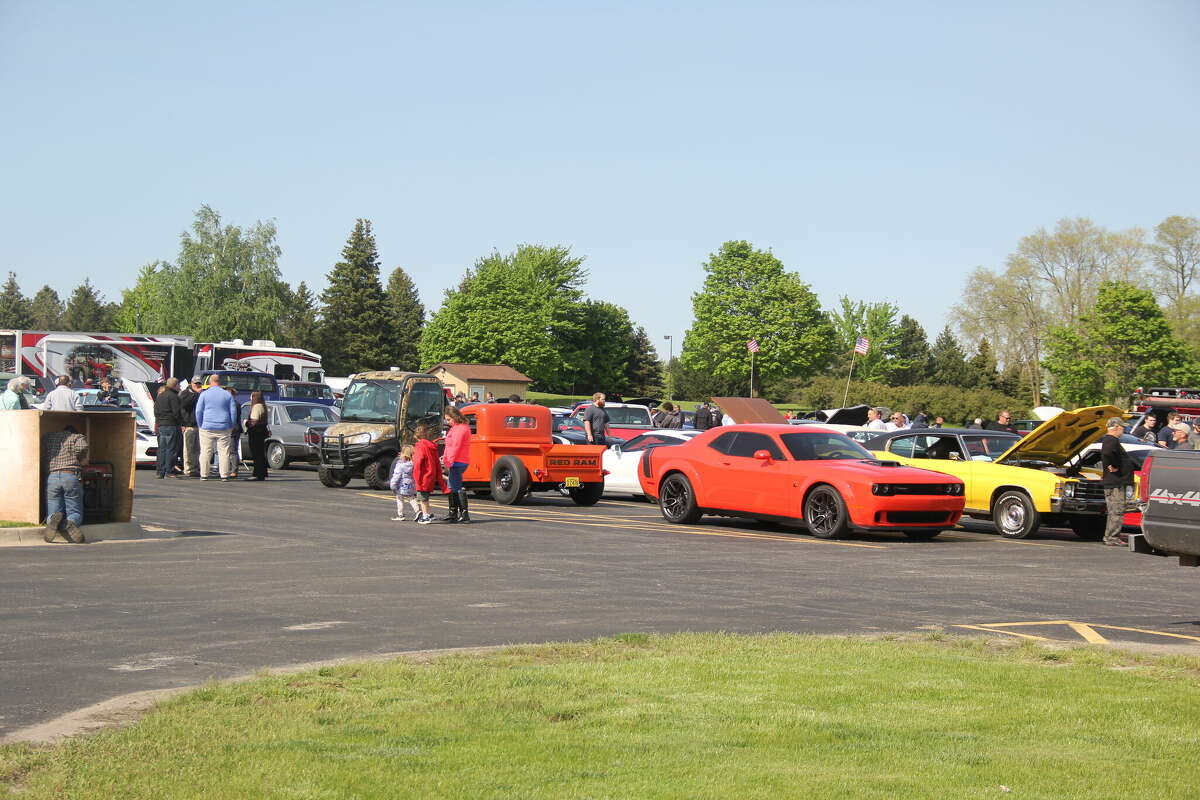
(1171, 518)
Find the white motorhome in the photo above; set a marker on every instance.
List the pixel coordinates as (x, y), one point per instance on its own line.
(261, 355)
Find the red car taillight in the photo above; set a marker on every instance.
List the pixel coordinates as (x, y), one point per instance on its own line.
(1144, 483)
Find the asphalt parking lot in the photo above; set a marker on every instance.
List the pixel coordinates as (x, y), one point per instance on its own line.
(247, 575)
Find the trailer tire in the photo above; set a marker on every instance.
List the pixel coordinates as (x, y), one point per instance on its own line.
(510, 480)
(588, 494)
(333, 478)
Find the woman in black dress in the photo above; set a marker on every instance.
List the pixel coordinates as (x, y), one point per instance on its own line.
(257, 432)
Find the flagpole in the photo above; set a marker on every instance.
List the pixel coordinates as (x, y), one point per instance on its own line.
(846, 396)
(752, 373)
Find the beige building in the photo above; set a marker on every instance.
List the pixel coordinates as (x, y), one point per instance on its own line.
(479, 379)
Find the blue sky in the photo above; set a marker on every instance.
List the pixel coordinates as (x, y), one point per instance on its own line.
(881, 150)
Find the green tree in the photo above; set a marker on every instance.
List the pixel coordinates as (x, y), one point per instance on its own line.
(913, 358)
(644, 372)
(354, 314)
(86, 310)
(15, 310)
(605, 353)
(226, 282)
(748, 294)
(300, 326)
(1124, 342)
(144, 307)
(46, 310)
(407, 319)
(877, 323)
(949, 365)
(522, 309)
(1176, 261)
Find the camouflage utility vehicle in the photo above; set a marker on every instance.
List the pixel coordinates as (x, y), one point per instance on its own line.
(380, 412)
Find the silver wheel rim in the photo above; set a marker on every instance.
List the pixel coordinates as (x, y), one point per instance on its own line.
(1012, 516)
(675, 498)
(822, 513)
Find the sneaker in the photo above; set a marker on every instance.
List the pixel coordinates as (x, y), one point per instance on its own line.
(53, 524)
(1114, 543)
(73, 532)
(397, 519)
(425, 520)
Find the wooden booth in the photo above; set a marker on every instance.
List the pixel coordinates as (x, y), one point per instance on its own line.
(111, 451)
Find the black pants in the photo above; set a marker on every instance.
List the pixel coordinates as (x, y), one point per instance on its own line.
(168, 448)
(258, 450)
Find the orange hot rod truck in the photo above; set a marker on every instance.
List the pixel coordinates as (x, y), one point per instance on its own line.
(512, 454)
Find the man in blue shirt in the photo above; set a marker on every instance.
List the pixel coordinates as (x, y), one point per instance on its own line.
(216, 414)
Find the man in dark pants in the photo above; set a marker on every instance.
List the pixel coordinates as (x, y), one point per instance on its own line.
(1118, 473)
(167, 419)
(595, 421)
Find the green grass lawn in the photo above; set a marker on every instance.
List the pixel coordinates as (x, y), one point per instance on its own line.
(703, 715)
(8, 523)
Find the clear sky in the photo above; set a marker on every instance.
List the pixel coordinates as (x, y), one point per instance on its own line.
(881, 150)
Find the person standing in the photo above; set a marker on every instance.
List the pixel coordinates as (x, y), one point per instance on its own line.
(191, 436)
(108, 396)
(457, 457)
(938, 422)
(875, 420)
(1194, 435)
(14, 398)
(1118, 474)
(257, 432)
(427, 473)
(896, 422)
(235, 439)
(1003, 423)
(167, 419)
(63, 397)
(403, 485)
(216, 413)
(1179, 440)
(63, 453)
(702, 421)
(595, 421)
(671, 417)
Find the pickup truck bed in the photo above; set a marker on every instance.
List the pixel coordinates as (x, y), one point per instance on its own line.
(1171, 520)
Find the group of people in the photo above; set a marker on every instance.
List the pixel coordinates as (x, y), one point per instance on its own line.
(417, 473)
(1174, 434)
(201, 426)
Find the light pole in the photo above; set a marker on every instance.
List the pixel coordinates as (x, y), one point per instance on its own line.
(670, 375)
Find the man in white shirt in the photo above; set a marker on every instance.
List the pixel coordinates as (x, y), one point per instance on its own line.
(63, 397)
(897, 423)
(874, 422)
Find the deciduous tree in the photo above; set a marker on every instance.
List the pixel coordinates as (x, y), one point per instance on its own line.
(145, 307)
(354, 315)
(748, 294)
(1176, 261)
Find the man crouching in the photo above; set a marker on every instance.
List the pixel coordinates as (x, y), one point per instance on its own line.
(63, 453)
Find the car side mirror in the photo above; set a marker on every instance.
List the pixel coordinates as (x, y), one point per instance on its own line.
(616, 448)
(764, 456)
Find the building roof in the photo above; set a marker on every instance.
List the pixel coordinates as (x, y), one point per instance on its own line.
(482, 372)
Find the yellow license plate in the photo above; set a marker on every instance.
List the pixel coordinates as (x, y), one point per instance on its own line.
(571, 483)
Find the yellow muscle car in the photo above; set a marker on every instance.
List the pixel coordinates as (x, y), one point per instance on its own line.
(1018, 482)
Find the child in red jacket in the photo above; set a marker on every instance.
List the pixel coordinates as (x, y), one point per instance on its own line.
(427, 471)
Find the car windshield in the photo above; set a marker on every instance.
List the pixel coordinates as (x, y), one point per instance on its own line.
(632, 415)
(311, 414)
(249, 382)
(371, 401)
(91, 397)
(309, 390)
(988, 448)
(823, 447)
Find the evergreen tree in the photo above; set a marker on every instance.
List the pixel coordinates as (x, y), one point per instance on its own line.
(748, 295)
(46, 310)
(983, 367)
(407, 320)
(15, 310)
(354, 315)
(949, 365)
(644, 373)
(913, 359)
(86, 310)
(300, 326)
(604, 350)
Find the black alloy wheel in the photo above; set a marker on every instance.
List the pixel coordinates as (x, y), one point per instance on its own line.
(825, 513)
(677, 500)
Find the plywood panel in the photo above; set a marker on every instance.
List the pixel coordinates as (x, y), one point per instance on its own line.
(20, 466)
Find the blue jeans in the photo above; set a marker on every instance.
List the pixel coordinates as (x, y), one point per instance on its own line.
(64, 492)
(168, 448)
(455, 478)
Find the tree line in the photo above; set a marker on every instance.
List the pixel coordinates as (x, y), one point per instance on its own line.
(1078, 315)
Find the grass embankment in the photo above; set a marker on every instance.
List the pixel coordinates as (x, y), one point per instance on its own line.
(680, 716)
(8, 523)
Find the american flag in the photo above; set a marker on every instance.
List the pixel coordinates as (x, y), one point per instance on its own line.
(862, 345)
(752, 345)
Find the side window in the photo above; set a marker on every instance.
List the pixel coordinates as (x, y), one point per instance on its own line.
(472, 422)
(424, 403)
(747, 444)
(520, 422)
(903, 446)
(723, 442)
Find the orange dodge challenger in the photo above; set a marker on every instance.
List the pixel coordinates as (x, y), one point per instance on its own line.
(790, 473)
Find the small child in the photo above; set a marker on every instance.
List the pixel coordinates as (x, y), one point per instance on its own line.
(403, 485)
(427, 471)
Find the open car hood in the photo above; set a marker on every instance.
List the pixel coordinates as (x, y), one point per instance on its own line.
(749, 409)
(1058, 440)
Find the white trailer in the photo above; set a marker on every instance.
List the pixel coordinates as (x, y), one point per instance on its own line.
(261, 355)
